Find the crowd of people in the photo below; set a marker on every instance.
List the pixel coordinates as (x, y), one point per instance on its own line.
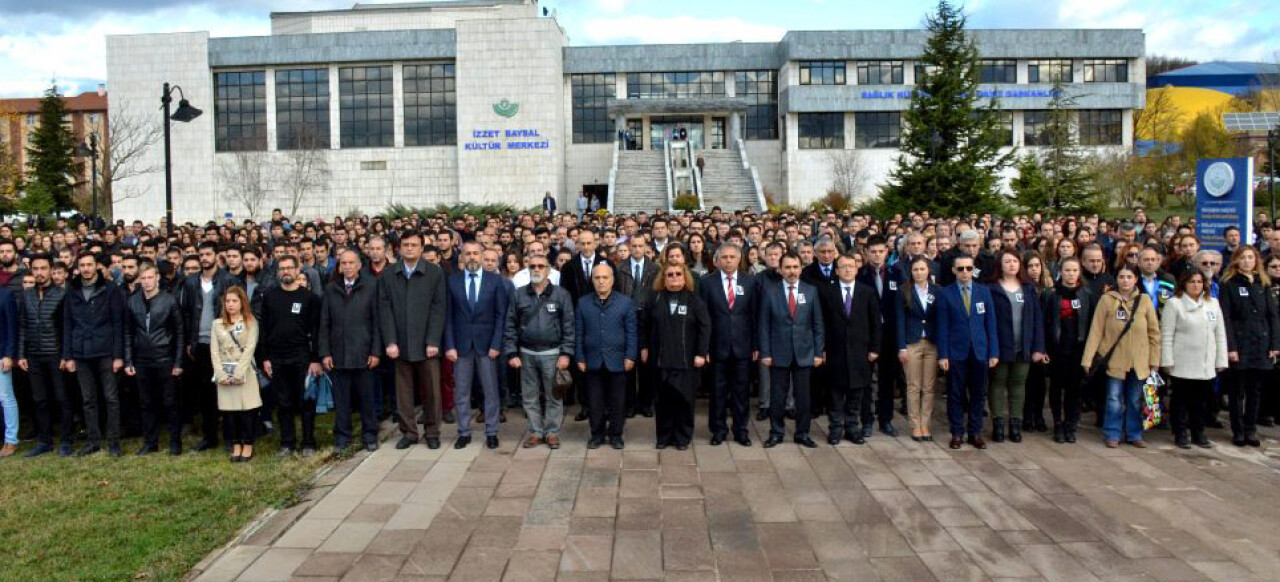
(135, 329)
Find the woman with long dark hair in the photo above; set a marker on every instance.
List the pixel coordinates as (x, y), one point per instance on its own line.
(1068, 313)
(1020, 328)
(917, 331)
(1134, 354)
(1193, 351)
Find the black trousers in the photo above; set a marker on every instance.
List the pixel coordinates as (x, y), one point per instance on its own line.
(796, 379)
(888, 372)
(1188, 400)
(357, 382)
(731, 390)
(96, 376)
(1246, 391)
(290, 381)
(204, 392)
(845, 400)
(1033, 405)
(674, 405)
(242, 426)
(46, 388)
(157, 399)
(640, 383)
(606, 395)
(1065, 388)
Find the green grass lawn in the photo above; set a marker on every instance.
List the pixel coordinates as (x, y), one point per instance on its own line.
(137, 518)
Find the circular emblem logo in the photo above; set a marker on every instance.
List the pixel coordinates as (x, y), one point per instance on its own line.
(1219, 178)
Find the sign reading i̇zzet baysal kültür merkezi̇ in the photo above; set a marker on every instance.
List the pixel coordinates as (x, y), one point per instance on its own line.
(506, 139)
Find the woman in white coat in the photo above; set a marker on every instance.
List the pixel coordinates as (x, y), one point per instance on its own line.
(1193, 351)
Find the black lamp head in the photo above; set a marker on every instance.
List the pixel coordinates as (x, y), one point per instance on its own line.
(186, 112)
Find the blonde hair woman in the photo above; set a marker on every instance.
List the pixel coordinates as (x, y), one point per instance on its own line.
(232, 341)
(1253, 339)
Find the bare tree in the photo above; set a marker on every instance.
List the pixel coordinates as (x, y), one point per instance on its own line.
(1161, 170)
(306, 172)
(131, 133)
(245, 180)
(848, 172)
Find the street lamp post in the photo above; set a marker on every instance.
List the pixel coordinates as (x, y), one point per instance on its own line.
(186, 112)
(1273, 143)
(90, 151)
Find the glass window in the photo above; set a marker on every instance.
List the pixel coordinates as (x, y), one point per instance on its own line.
(877, 129)
(819, 131)
(430, 108)
(591, 121)
(240, 111)
(924, 70)
(760, 89)
(302, 109)
(1049, 71)
(1106, 71)
(679, 85)
(1004, 128)
(1101, 127)
(1035, 127)
(880, 72)
(365, 109)
(997, 71)
(822, 72)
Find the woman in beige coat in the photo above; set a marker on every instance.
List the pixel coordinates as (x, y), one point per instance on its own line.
(1193, 351)
(232, 342)
(1135, 356)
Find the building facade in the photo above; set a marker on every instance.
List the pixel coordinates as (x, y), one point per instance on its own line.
(86, 117)
(485, 101)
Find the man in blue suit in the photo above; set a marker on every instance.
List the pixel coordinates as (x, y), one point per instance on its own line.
(604, 355)
(791, 345)
(967, 347)
(477, 312)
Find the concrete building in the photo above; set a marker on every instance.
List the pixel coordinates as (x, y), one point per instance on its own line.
(485, 101)
(86, 116)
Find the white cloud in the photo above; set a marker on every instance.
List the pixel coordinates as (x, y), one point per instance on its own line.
(675, 29)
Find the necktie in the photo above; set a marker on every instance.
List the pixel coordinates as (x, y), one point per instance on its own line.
(791, 300)
(471, 289)
(730, 292)
(964, 293)
(848, 301)
(635, 272)
(348, 289)
(586, 266)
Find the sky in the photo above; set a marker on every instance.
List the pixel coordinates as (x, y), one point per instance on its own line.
(64, 40)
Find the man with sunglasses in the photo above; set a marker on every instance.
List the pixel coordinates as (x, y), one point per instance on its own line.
(967, 348)
(539, 341)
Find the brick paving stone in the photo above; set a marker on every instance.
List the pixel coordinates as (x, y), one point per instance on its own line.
(374, 568)
(906, 569)
(587, 553)
(687, 549)
(996, 557)
(952, 566)
(275, 564)
(480, 564)
(637, 555)
(787, 546)
(532, 566)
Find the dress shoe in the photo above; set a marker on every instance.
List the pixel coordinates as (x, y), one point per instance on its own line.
(887, 428)
(88, 450)
(462, 442)
(1059, 433)
(618, 444)
(647, 412)
(661, 445)
(203, 446)
(175, 449)
(37, 450)
(553, 441)
(371, 446)
(433, 442)
(531, 441)
(997, 430)
(1015, 430)
(582, 414)
(762, 414)
(717, 440)
(1238, 441)
(855, 437)
(1202, 442)
(977, 442)
(682, 447)
(146, 450)
(772, 441)
(1182, 442)
(404, 443)
(743, 440)
(491, 441)
(833, 440)
(806, 442)
(595, 442)
(1253, 442)
(868, 431)
(284, 453)
(956, 442)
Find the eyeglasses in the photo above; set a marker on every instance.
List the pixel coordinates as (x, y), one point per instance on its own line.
(963, 268)
(1209, 264)
(1132, 255)
(537, 267)
(675, 275)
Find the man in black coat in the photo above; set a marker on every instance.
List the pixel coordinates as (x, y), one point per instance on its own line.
(40, 315)
(350, 347)
(93, 348)
(851, 313)
(153, 349)
(201, 301)
(576, 279)
(731, 297)
(876, 277)
(635, 279)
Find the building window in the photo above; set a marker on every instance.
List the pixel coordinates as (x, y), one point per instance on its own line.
(880, 73)
(821, 131)
(998, 71)
(591, 121)
(240, 111)
(923, 70)
(822, 72)
(877, 129)
(365, 109)
(1100, 127)
(1004, 128)
(1106, 71)
(430, 105)
(683, 85)
(1049, 71)
(760, 89)
(302, 109)
(1035, 128)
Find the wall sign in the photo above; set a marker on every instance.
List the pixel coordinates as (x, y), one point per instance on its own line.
(1224, 197)
(506, 108)
(506, 139)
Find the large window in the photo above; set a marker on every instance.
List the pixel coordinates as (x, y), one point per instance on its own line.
(591, 93)
(923, 70)
(1101, 127)
(760, 89)
(998, 71)
(430, 107)
(682, 85)
(1106, 71)
(1035, 127)
(822, 72)
(1004, 128)
(880, 72)
(821, 131)
(877, 129)
(364, 97)
(302, 109)
(240, 111)
(1049, 71)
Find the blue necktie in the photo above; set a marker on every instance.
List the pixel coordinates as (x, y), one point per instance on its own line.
(471, 289)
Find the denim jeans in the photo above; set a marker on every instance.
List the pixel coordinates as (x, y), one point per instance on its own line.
(1124, 409)
(10, 404)
(537, 382)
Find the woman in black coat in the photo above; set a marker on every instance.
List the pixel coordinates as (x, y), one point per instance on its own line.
(677, 339)
(1253, 339)
(1068, 313)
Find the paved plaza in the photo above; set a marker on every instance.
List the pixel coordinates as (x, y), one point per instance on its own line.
(892, 510)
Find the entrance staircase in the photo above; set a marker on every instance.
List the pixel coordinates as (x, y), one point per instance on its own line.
(726, 183)
(640, 184)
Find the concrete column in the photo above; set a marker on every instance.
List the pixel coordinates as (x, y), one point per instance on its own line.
(335, 113)
(850, 130)
(397, 102)
(1019, 126)
(735, 130)
(271, 110)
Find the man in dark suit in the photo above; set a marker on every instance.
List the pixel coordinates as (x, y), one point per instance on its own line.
(731, 298)
(477, 312)
(791, 345)
(607, 347)
(822, 271)
(635, 279)
(851, 314)
(876, 276)
(350, 347)
(576, 279)
(549, 204)
(967, 348)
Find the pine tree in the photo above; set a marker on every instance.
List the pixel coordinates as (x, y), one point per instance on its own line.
(51, 152)
(1031, 187)
(1063, 164)
(951, 157)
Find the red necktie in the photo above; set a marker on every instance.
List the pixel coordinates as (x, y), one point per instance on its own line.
(731, 294)
(791, 300)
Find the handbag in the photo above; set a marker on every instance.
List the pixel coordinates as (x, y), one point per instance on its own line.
(564, 381)
(1152, 409)
(1100, 362)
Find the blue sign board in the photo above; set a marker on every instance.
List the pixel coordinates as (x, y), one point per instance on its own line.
(1224, 197)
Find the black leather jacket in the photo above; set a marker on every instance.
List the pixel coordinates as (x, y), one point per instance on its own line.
(40, 322)
(152, 331)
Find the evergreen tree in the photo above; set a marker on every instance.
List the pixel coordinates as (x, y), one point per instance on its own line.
(1031, 188)
(37, 201)
(1063, 164)
(951, 155)
(51, 152)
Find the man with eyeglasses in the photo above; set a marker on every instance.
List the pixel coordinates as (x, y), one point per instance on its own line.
(290, 324)
(967, 349)
(538, 340)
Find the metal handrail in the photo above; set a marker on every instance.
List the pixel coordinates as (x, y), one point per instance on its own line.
(613, 175)
(697, 177)
(666, 163)
(755, 176)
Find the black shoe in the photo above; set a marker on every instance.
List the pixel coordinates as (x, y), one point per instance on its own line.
(679, 447)
(806, 442)
(203, 446)
(1202, 442)
(1015, 430)
(88, 450)
(491, 441)
(433, 443)
(1027, 425)
(404, 443)
(1238, 441)
(38, 450)
(717, 440)
(789, 414)
(617, 444)
(595, 442)
(855, 437)
(868, 431)
(175, 449)
(646, 412)
(743, 440)
(997, 430)
(661, 445)
(462, 442)
(371, 446)
(772, 441)
(1071, 435)
(631, 413)
(582, 415)
(762, 414)
(887, 428)
(1182, 441)
(1266, 421)
(1041, 425)
(64, 450)
(833, 440)
(1059, 433)
(1253, 442)
(147, 450)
